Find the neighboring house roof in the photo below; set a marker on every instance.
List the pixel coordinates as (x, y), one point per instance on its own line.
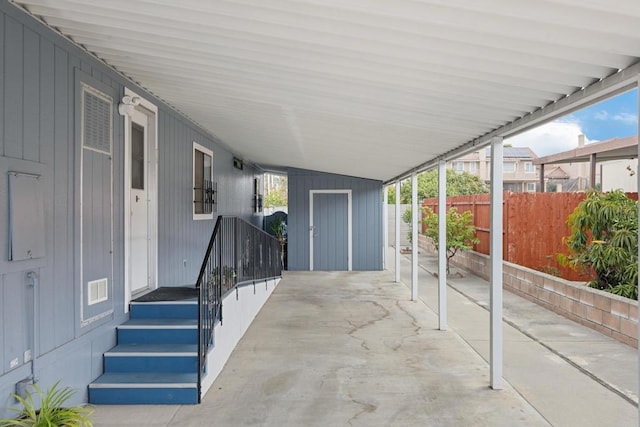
(612, 149)
(514, 153)
(508, 153)
(557, 173)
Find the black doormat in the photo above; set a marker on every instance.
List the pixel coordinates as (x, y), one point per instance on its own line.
(169, 293)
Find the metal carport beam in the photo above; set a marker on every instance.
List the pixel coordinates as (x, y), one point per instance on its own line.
(495, 253)
(442, 245)
(616, 83)
(397, 224)
(414, 237)
(385, 226)
(638, 175)
(592, 170)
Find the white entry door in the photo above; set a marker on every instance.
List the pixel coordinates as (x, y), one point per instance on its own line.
(139, 204)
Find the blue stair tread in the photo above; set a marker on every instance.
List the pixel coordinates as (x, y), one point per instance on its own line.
(145, 380)
(154, 349)
(159, 323)
(189, 301)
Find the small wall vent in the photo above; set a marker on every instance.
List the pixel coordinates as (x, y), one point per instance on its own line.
(96, 120)
(97, 291)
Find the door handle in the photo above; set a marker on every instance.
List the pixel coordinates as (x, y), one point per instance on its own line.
(137, 198)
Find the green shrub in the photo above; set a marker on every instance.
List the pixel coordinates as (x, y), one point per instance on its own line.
(406, 218)
(51, 411)
(604, 242)
(461, 233)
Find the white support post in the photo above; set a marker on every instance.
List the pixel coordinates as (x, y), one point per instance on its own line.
(442, 245)
(495, 335)
(385, 226)
(638, 175)
(414, 236)
(397, 248)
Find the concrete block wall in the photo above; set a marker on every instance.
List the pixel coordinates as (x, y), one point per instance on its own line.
(604, 312)
(404, 227)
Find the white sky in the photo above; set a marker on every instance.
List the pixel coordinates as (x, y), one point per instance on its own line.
(615, 117)
(550, 138)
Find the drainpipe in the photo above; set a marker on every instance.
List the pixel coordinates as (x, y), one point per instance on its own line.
(32, 279)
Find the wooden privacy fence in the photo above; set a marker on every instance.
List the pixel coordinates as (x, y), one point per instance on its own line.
(533, 226)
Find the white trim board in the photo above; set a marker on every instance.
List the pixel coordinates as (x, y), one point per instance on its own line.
(152, 110)
(349, 225)
(88, 86)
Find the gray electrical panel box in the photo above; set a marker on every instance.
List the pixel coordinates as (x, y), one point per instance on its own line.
(26, 217)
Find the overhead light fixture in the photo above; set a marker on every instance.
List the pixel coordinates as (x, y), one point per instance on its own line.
(128, 105)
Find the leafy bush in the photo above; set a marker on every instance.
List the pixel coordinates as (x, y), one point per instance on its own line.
(604, 241)
(461, 233)
(458, 183)
(406, 218)
(51, 411)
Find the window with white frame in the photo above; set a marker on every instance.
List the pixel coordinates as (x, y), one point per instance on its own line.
(457, 166)
(528, 167)
(472, 167)
(531, 187)
(509, 167)
(204, 189)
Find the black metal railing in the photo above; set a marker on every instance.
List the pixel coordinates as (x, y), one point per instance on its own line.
(205, 197)
(238, 253)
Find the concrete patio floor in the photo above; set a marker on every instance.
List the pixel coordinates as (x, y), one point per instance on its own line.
(572, 375)
(352, 349)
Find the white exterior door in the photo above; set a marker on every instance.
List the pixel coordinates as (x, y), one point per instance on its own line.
(139, 204)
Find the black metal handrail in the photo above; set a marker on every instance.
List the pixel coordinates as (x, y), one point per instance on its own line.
(238, 253)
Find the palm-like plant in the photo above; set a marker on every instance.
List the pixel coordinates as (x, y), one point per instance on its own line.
(51, 411)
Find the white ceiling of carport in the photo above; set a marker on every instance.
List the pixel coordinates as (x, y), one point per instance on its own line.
(369, 88)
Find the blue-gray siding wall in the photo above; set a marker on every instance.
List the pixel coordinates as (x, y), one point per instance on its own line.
(367, 217)
(179, 236)
(38, 135)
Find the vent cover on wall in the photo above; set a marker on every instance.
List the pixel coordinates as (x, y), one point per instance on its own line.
(97, 291)
(237, 163)
(96, 119)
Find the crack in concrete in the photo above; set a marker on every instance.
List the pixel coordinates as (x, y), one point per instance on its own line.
(414, 323)
(385, 314)
(355, 328)
(367, 408)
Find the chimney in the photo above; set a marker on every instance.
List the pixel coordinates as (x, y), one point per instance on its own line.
(580, 140)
